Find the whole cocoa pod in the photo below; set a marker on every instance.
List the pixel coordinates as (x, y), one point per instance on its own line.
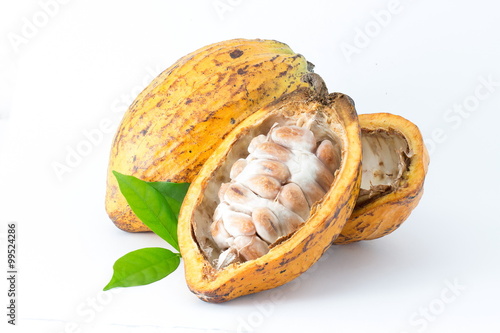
(174, 125)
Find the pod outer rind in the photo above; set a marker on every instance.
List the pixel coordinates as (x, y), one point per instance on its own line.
(174, 125)
(385, 214)
(298, 252)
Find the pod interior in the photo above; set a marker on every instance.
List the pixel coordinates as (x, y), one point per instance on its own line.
(322, 127)
(386, 158)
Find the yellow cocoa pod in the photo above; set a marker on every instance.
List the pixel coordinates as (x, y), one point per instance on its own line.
(174, 125)
(328, 116)
(395, 163)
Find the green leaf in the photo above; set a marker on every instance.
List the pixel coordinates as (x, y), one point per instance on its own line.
(174, 193)
(142, 267)
(150, 206)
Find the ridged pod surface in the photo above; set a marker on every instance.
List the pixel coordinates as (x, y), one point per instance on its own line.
(290, 256)
(383, 213)
(174, 125)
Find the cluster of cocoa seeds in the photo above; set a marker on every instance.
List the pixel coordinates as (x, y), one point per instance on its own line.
(271, 191)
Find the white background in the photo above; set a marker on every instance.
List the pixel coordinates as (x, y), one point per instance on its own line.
(82, 62)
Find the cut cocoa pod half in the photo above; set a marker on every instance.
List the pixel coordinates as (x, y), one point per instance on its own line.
(395, 163)
(174, 125)
(276, 240)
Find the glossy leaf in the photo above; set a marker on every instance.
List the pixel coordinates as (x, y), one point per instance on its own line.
(143, 267)
(150, 206)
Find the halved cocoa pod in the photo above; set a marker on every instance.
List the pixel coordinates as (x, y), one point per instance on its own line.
(395, 163)
(283, 244)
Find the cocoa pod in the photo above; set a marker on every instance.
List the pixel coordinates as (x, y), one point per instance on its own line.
(174, 125)
(395, 163)
(331, 117)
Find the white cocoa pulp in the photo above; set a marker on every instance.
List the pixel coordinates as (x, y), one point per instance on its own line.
(386, 157)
